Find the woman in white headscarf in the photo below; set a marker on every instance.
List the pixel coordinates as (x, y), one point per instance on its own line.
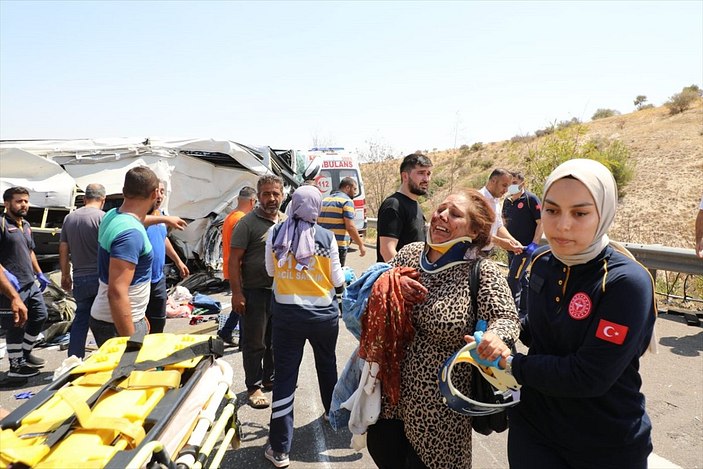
(591, 314)
(303, 259)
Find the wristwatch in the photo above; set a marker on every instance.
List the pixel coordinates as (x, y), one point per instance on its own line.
(509, 365)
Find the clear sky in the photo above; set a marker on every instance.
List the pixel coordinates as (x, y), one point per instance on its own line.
(410, 75)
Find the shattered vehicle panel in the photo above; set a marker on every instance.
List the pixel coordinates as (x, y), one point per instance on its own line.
(202, 178)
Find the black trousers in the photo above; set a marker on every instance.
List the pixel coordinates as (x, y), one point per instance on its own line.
(255, 338)
(342, 255)
(390, 448)
(528, 451)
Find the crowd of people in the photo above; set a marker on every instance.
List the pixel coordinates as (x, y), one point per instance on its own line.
(578, 300)
(112, 263)
(586, 312)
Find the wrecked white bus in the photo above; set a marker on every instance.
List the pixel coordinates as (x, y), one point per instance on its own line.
(202, 178)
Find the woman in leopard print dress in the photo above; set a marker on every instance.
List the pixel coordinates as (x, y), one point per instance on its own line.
(421, 431)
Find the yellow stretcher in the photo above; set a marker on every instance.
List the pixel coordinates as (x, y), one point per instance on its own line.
(136, 402)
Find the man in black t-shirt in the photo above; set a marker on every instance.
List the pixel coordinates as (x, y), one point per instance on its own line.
(400, 219)
(17, 256)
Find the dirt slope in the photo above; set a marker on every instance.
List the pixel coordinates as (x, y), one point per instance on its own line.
(663, 196)
(661, 201)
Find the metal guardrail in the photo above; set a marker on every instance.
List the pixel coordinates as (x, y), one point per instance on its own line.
(658, 257)
(653, 256)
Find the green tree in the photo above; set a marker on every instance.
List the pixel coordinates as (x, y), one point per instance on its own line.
(603, 113)
(615, 155)
(568, 123)
(639, 101)
(478, 146)
(682, 101)
(694, 88)
(567, 144)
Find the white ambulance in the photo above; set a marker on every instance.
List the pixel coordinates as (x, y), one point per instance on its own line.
(335, 163)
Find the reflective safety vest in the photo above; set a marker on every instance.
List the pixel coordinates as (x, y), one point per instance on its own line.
(306, 287)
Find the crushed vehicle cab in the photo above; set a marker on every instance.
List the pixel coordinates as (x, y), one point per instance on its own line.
(202, 179)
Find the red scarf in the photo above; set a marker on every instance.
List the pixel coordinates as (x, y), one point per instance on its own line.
(386, 329)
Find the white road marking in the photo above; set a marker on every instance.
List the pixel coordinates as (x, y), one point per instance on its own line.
(315, 405)
(657, 462)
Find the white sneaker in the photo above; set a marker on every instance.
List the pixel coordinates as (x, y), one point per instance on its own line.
(276, 458)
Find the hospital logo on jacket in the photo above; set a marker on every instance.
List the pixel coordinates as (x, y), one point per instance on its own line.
(580, 306)
(611, 332)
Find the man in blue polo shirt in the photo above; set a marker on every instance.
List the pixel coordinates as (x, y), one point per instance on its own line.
(523, 219)
(337, 215)
(162, 247)
(17, 256)
(124, 261)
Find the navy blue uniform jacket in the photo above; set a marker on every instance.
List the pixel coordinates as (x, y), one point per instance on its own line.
(586, 327)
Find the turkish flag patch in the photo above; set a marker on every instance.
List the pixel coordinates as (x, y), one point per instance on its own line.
(611, 332)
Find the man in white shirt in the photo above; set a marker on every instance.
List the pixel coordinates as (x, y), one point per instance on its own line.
(493, 191)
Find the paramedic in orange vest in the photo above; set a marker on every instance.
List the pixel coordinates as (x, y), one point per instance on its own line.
(246, 200)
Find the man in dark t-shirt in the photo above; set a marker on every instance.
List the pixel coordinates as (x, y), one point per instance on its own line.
(523, 219)
(400, 219)
(251, 288)
(17, 256)
(79, 247)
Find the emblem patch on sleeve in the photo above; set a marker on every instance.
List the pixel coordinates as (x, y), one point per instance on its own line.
(611, 332)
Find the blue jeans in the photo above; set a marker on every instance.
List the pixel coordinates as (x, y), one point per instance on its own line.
(103, 330)
(230, 325)
(85, 289)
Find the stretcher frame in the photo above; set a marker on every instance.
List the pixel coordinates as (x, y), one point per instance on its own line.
(212, 416)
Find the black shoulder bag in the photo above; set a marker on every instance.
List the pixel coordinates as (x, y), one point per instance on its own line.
(482, 390)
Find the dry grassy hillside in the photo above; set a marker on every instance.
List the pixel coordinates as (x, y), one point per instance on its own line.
(661, 200)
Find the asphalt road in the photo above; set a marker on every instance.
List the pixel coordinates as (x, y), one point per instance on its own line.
(673, 384)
